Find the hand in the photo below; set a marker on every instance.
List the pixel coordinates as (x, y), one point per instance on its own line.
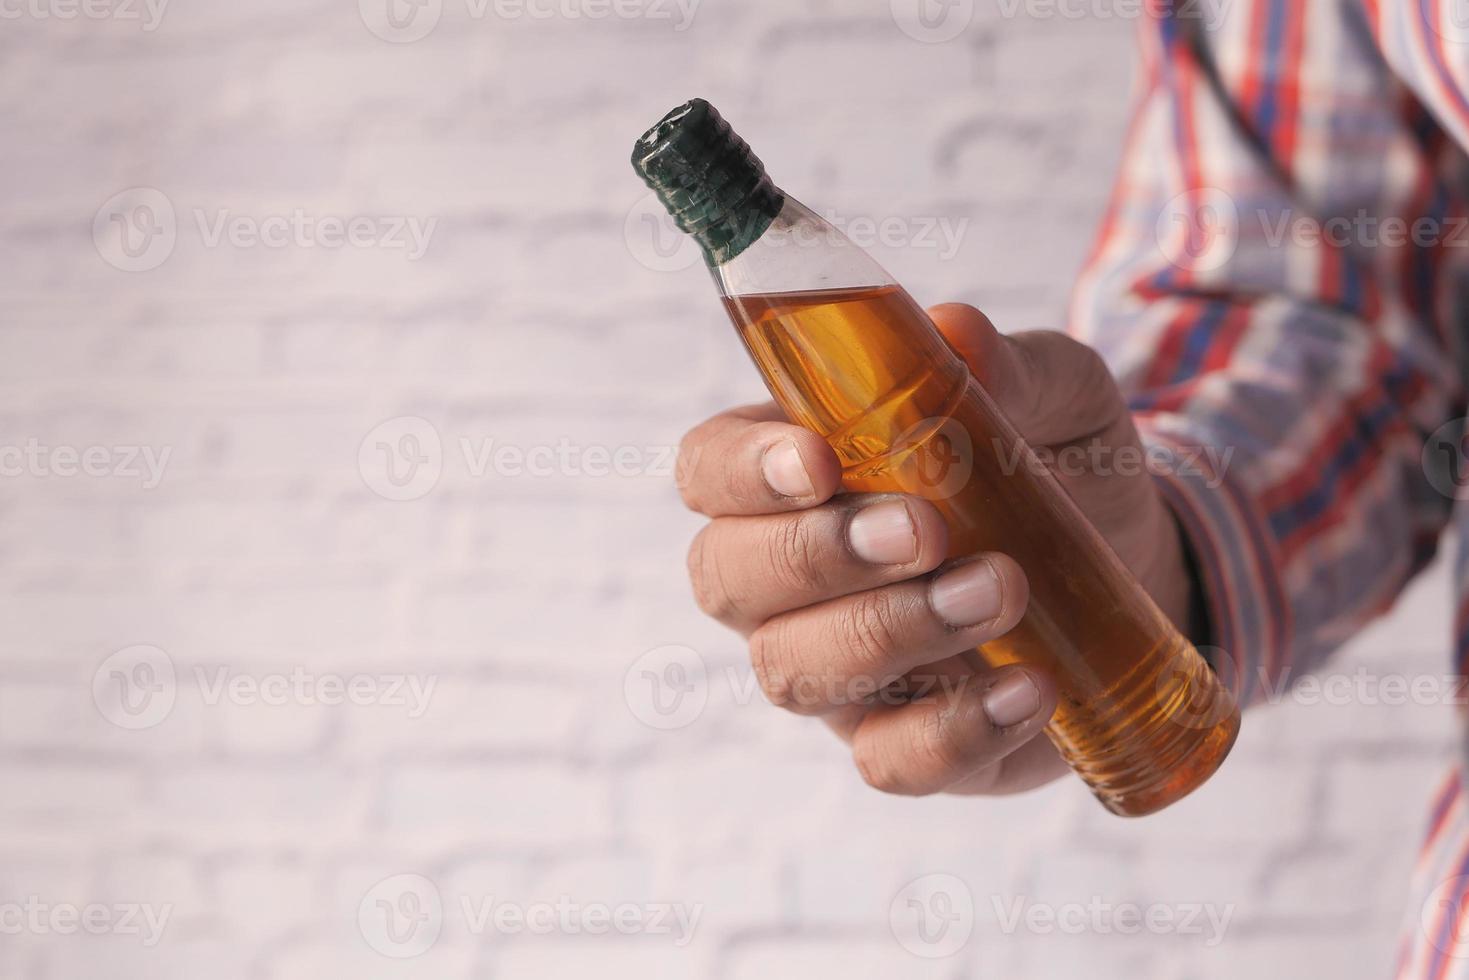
(850, 610)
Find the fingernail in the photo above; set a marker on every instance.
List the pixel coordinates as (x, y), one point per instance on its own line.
(1013, 700)
(883, 534)
(967, 596)
(785, 472)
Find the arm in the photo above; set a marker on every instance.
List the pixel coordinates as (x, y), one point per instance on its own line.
(1292, 381)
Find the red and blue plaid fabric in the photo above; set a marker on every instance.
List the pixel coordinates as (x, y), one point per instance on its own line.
(1282, 287)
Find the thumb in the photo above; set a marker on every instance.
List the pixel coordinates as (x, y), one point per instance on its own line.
(973, 337)
(1052, 387)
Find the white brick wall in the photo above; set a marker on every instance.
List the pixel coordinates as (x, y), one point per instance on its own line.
(534, 320)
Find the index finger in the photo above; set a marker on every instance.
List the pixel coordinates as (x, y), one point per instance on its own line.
(750, 461)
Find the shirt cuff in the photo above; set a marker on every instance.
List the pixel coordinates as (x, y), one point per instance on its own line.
(1232, 548)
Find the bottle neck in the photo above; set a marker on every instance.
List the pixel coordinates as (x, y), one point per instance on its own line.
(799, 251)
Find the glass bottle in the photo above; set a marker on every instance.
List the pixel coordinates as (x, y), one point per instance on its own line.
(847, 353)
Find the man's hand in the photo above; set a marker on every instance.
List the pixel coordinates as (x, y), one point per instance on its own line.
(851, 612)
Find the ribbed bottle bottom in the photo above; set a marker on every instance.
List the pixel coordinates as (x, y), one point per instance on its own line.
(1154, 737)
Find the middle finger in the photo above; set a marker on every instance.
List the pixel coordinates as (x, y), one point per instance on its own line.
(823, 658)
(747, 569)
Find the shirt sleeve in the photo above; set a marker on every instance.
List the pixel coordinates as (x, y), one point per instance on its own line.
(1278, 286)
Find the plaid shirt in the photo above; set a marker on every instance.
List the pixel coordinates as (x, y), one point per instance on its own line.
(1282, 279)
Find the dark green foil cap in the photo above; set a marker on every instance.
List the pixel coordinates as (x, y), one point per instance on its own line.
(707, 178)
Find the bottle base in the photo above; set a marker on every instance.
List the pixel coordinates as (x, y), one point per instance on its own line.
(1205, 760)
(1146, 749)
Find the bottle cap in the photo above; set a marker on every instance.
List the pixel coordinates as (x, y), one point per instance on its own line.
(715, 188)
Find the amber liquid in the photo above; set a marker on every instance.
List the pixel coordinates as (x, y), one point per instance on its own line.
(1141, 717)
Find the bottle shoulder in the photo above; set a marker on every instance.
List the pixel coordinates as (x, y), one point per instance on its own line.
(799, 252)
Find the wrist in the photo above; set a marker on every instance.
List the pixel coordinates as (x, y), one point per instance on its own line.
(1175, 584)
(1193, 618)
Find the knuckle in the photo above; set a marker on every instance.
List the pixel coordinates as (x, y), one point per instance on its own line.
(1092, 373)
(765, 660)
(797, 556)
(1088, 359)
(874, 769)
(686, 471)
(711, 593)
(947, 745)
(737, 487)
(1055, 362)
(869, 628)
(1028, 351)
